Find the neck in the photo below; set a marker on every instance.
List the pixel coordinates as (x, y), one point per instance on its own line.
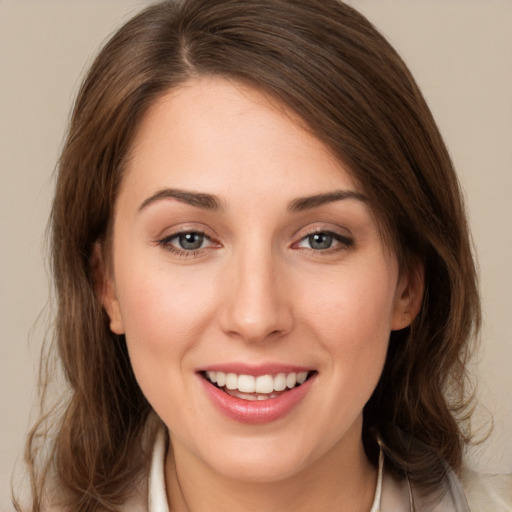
(342, 479)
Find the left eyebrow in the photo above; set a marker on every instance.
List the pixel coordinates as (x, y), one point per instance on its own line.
(307, 203)
(197, 199)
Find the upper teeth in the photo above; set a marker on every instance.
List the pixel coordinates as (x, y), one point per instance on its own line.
(260, 384)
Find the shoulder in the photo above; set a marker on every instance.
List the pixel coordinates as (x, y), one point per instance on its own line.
(472, 491)
(487, 492)
(400, 495)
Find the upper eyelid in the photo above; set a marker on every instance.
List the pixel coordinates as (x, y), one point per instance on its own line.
(172, 231)
(312, 230)
(297, 236)
(332, 233)
(183, 232)
(346, 240)
(166, 240)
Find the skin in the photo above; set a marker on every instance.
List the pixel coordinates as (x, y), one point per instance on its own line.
(257, 291)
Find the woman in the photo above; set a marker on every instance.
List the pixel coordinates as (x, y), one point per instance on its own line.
(265, 284)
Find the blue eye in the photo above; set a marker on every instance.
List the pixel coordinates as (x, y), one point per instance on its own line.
(190, 241)
(186, 242)
(325, 240)
(320, 241)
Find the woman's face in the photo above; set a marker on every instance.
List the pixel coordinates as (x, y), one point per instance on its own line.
(244, 253)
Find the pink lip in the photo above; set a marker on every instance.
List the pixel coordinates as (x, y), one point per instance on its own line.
(258, 411)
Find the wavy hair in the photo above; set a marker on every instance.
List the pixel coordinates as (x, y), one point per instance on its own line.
(329, 65)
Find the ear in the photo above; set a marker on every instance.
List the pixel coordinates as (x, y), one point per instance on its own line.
(104, 288)
(408, 296)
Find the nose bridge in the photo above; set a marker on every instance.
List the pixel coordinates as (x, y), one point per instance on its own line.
(255, 305)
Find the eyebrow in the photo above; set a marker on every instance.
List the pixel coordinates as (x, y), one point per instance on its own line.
(307, 203)
(200, 200)
(212, 203)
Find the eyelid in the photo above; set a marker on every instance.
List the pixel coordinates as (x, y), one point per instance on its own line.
(164, 241)
(184, 227)
(344, 241)
(173, 236)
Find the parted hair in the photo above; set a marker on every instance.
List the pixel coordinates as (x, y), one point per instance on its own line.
(325, 62)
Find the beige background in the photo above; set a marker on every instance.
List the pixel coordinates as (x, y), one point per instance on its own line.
(461, 54)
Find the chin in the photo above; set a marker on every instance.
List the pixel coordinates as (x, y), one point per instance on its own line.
(260, 468)
(264, 459)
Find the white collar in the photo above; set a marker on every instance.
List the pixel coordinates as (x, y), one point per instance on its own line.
(157, 497)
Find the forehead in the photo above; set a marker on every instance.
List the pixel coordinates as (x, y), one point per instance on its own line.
(219, 135)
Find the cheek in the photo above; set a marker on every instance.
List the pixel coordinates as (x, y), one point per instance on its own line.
(355, 308)
(352, 319)
(164, 315)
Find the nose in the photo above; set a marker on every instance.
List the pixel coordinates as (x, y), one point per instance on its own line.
(257, 305)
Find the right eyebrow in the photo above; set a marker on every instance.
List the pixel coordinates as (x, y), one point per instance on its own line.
(198, 199)
(309, 202)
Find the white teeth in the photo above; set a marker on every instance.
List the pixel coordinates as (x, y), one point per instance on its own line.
(264, 384)
(250, 397)
(280, 382)
(301, 377)
(246, 383)
(231, 380)
(291, 380)
(221, 379)
(261, 385)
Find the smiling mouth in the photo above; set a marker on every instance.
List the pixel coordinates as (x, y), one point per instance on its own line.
(262, 387)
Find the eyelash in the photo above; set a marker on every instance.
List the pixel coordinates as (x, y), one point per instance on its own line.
(343, 243)
(166, 243)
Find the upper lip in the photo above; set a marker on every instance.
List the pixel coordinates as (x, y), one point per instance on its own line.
(271, 368)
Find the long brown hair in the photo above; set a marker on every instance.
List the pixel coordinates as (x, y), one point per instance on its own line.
(329, 65)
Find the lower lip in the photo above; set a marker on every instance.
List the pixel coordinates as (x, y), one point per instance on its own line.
(257, 411)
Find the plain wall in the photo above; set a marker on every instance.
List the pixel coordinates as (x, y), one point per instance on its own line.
(460, 51)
